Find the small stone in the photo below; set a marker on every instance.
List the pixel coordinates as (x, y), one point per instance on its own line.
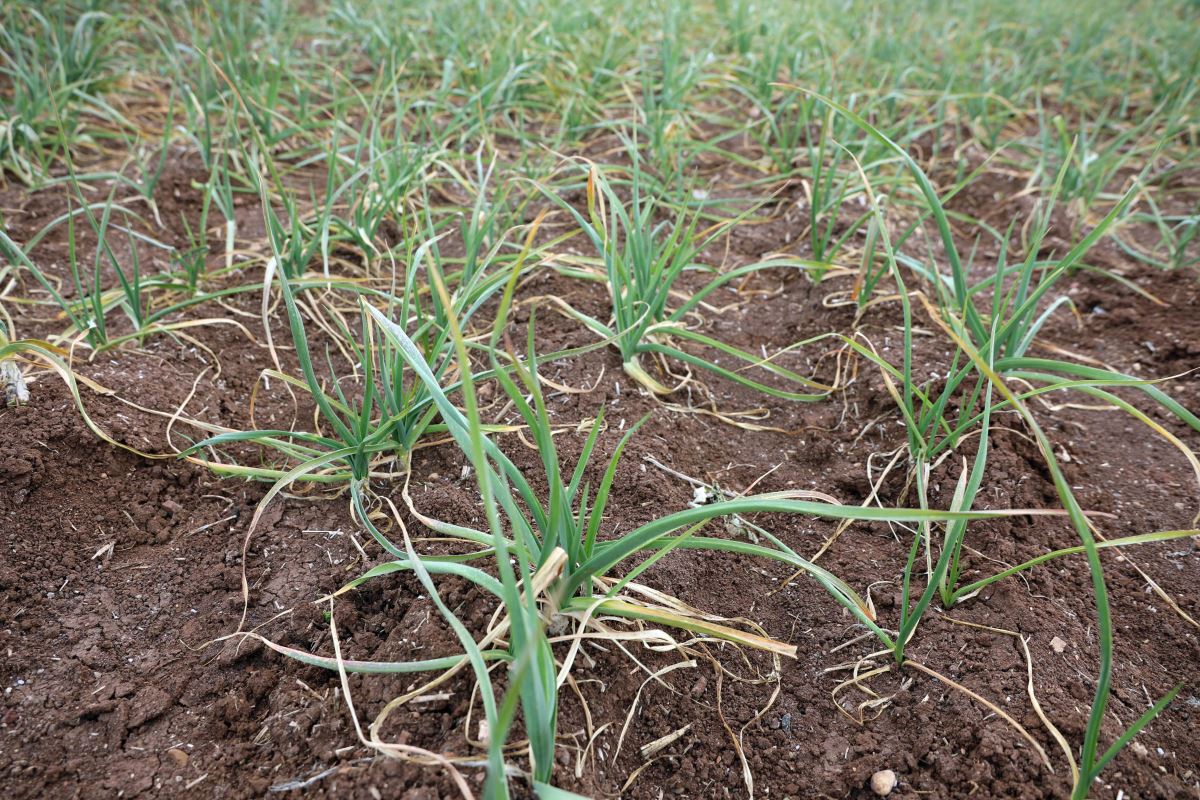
(883, 782)
(178, 757)
(1058, 644)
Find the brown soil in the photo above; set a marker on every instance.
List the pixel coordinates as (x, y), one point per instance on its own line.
(119, 572)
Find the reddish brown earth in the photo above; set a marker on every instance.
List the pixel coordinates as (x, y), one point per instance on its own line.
(119, 572)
